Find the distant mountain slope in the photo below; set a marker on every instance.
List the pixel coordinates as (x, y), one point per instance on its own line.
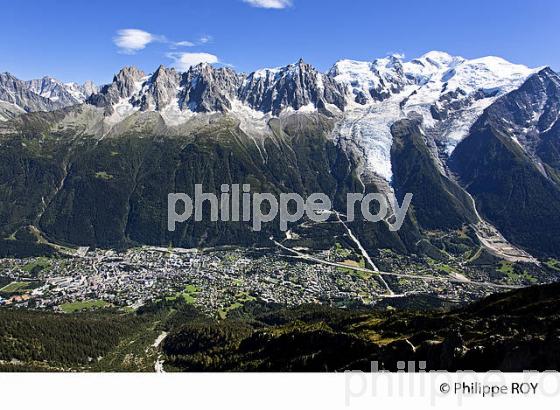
(45, 94)
(530, 115)
(509, 163)
(509, 188)
(438, 202)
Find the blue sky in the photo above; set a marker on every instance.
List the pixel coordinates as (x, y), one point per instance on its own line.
(79, 40)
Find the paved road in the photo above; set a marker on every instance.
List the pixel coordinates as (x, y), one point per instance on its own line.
(455, 278)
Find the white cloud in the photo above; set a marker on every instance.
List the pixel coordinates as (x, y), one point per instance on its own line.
(205, 39)
(183, 61)
(184, 44)
(270, 4)
(130, 40)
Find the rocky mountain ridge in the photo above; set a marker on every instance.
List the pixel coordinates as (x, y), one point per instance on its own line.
(449, 93)
(44, 94)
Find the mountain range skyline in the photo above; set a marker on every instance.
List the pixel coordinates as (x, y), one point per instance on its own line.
(59, 43)
(150, 70)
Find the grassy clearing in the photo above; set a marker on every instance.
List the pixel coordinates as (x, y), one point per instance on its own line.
(15, 287)
(553, 264)
(447, 269)
(506, 268)
(240, 299)
(37, 265)
(243, 297)
(84, 305)
(222, 313)
(512, 276)
(358, 264)
(339, 252)
(189, 294)
(103, 175)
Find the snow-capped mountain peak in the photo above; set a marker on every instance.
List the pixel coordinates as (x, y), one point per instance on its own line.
(448, 92)
(440, 59)
(65, 93)
(81, 92)
(453, 96)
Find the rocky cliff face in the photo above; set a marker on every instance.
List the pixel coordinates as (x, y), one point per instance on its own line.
(66, 94)
(293, 87)
(128, 81)
(449, 93)
(158, 91)
(206, 89)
